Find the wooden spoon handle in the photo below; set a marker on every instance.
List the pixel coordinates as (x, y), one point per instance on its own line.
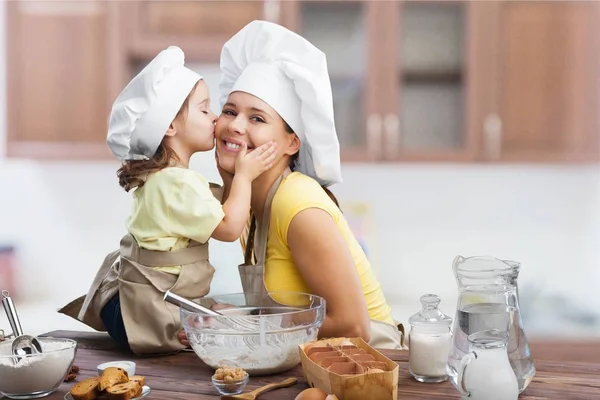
(287, 383)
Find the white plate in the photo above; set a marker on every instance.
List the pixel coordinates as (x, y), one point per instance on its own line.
(145, 392)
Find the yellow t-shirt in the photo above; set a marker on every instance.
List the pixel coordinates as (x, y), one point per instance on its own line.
(174, 206)
(298, 192)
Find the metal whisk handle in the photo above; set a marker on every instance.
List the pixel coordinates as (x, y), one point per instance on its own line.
(188, 305)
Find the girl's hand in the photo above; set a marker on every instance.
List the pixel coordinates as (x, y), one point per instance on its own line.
(251, 164)
(183, 338)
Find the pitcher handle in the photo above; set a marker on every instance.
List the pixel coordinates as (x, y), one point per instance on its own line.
(464, 363)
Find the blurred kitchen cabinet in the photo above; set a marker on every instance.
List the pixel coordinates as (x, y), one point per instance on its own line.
(68, 60)
(346, 31)
(200, 28)
(545, 82)
(421, 80)
(57, 80)
(399, 75)
(492, 81)
(426, 107)
(450, 80)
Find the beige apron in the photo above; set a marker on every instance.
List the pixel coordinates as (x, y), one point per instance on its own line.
(383, 335)
(151, 323)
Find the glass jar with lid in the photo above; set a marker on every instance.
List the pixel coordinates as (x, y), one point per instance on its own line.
(429, 341)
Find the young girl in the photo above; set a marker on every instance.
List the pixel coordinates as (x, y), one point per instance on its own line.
(157, 123)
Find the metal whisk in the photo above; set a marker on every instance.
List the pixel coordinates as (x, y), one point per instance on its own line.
(236, 323)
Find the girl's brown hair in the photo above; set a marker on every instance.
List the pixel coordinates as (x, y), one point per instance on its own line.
(294, 160)
(134, 173)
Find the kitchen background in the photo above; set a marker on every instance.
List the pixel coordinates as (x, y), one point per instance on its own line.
(467, 128)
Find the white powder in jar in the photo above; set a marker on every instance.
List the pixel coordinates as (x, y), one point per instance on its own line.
(35, 374)
(428, 354)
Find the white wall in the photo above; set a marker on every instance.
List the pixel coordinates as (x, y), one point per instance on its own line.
(65, 217)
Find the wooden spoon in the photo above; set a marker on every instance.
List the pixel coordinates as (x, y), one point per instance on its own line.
(255, 393)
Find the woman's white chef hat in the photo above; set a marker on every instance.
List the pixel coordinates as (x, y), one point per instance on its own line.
(142, 113)
(290, 74)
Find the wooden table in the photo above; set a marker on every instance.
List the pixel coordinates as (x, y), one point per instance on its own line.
(565, 370)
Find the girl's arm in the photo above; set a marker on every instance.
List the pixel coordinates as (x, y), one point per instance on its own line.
(227, 178)
(236, 202)
(236, 208)
(227, 182)
(322, 256)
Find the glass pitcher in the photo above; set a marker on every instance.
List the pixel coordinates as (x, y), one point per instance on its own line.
(488, 299)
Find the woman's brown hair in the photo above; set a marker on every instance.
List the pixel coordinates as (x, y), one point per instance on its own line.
(294, 160)
(133, 173)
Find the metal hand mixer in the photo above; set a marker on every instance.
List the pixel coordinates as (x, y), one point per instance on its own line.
(22, 344)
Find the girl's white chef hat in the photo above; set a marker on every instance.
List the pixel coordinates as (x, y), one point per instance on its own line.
(287, 72)
(142, 113)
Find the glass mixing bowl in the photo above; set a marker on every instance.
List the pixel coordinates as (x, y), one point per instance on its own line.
(258, 332)
(35, 375)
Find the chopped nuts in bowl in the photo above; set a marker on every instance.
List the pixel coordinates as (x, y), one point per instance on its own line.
(230, 380)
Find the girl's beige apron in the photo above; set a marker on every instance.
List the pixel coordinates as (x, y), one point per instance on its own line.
(150, 322)
(383, 335)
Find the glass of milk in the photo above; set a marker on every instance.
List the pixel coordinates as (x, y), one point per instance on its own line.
(485, 372)
(429, 341)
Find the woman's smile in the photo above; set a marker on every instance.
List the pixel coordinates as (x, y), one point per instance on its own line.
(233, 145)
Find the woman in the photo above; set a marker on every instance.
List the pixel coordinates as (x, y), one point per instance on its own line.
(275, 86)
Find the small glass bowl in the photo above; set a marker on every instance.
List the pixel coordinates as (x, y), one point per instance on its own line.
(230, 387)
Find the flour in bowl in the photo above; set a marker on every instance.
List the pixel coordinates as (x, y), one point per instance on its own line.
(41, 373)
(273, 353)
(262, 361)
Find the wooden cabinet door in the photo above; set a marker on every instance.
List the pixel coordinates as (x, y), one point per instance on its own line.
(349, 33)
(547, 103)
(57, 79)
(427, 113)
(200, 28)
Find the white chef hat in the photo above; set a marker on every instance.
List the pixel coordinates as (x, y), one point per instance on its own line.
(142, 113)
(290, 74)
